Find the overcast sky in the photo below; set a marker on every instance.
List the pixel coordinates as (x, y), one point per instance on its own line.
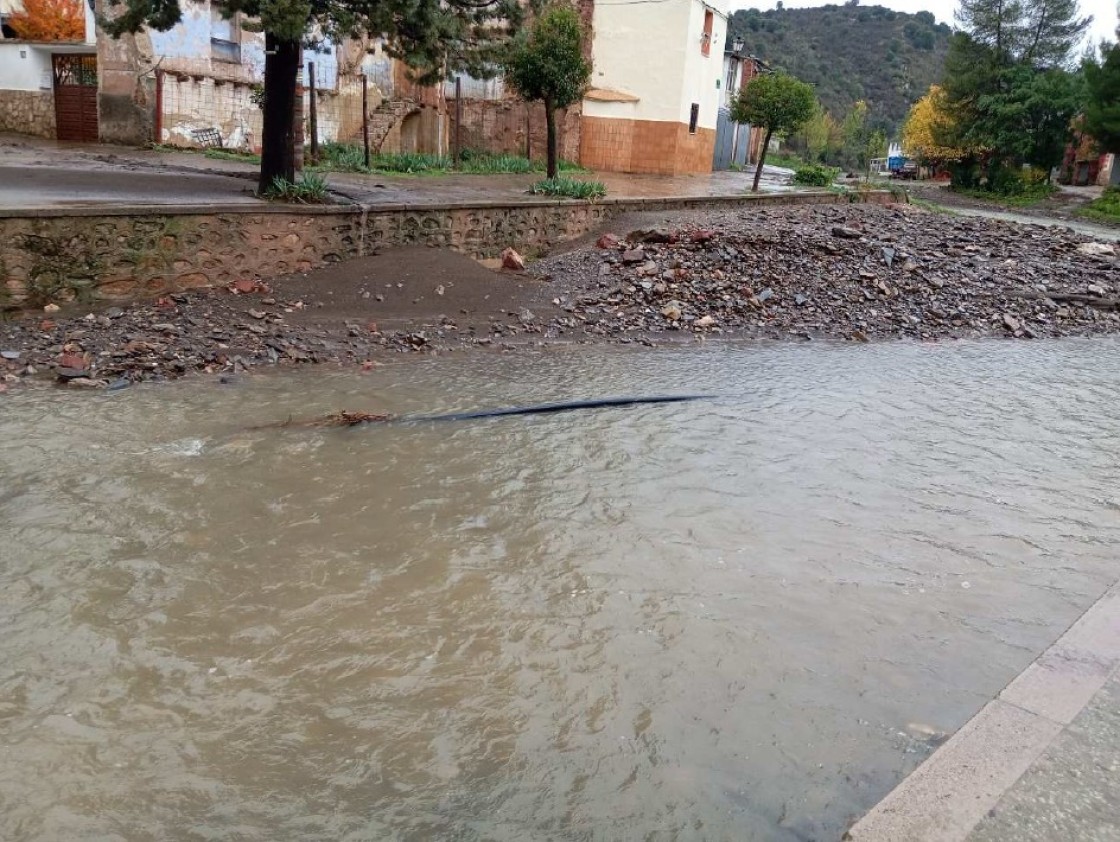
(1103, 11)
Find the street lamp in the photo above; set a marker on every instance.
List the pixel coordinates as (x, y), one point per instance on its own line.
(737, 46)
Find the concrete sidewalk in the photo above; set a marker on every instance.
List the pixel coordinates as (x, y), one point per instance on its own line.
(1039, 763)
(37, 173)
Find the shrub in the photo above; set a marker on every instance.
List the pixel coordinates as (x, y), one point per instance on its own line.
(473, 161)
(409, 162)
(814, 175)
(311, 189)
(573, 188)
(343, 157)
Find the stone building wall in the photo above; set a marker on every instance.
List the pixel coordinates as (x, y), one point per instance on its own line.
(27, 112)
(502, 126)
(122, 252)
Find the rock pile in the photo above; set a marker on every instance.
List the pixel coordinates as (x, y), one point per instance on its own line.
(858, 273)
(846, 272)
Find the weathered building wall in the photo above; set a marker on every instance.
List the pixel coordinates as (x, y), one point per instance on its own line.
(126, 86)
(503, 125)
(190, 104)
(129, 252)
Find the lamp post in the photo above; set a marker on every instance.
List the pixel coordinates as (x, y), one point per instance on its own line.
(737, 46)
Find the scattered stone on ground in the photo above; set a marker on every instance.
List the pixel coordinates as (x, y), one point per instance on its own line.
(849, 272)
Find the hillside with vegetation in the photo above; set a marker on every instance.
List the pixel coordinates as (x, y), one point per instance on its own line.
(851, 53)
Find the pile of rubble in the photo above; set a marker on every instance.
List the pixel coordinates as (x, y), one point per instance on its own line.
(859, 273)
(847, 272)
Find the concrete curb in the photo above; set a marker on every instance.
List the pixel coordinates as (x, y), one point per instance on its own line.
(619, 204)
(946, 797)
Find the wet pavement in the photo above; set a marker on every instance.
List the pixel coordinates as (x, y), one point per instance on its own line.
(1073, 790)
(744, 618)
(1037, 763)
(35, 173)
(25, 188)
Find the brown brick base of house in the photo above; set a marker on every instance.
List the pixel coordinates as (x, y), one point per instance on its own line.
(645, 146)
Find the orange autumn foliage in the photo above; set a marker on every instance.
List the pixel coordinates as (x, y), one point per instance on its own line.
(50, 20)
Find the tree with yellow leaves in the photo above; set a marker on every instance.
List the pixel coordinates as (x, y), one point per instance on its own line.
(50, 20)
(927, 125)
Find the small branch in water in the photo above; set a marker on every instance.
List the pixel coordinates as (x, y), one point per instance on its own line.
(342, 418)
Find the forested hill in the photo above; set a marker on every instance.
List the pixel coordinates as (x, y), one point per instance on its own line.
(851, 52)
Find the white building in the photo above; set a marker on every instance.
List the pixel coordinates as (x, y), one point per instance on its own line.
(655, 88)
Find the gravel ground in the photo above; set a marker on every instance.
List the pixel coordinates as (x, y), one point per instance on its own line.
(848, 272)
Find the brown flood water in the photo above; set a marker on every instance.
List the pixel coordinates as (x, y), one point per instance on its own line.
(731, 619)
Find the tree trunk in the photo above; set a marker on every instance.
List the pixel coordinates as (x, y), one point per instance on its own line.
(761, 159)
(550, 127)
(278, 151)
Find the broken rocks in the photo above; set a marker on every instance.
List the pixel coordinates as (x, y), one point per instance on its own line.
(512, 260)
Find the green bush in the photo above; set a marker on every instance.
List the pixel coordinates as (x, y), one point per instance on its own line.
(410, 162)
(343, 157)
(814, 175)
(311, 189)
(1004, 184)
(573, 188)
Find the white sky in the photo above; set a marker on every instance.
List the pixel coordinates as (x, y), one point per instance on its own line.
(1103, 11)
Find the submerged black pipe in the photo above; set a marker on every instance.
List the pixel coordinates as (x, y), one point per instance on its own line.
(549, 408)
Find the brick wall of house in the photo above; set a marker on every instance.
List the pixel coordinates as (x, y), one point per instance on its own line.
(645, 146)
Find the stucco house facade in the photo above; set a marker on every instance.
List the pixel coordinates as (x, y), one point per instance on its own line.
(655, 90)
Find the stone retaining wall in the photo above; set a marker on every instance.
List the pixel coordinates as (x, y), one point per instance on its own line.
(55, 255)
(27, 112)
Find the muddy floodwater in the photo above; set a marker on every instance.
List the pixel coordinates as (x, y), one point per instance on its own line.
(743, 618)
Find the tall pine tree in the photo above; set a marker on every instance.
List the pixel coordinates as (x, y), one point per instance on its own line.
(1008, 83)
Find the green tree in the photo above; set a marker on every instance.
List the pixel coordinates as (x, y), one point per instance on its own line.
(876, 147)
(1007, 85)
(855, 134)
(775, 102)
(547, 64)
(817, 137)
(435, 37)
(1102, 109)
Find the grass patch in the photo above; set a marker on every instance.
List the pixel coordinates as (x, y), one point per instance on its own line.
(931, 206)
(345, 157)
(311, 189)
(232, 155)
(1104, 209)
(1028, 195)
(572, 188)
(790, 162)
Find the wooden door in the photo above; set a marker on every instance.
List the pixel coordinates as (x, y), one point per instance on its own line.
(75, 96)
